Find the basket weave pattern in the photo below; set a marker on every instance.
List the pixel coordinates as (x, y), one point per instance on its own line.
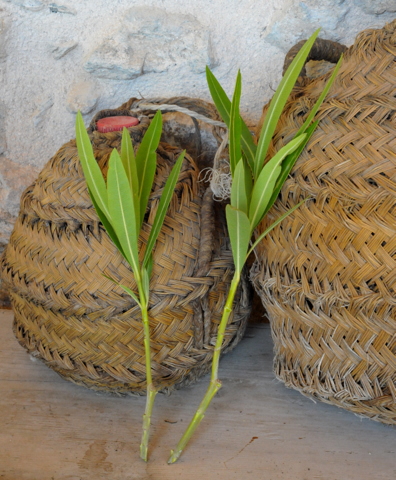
(327, 274)
(81, 324)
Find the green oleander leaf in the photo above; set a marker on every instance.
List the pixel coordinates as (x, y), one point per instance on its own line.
(241, 188)
(146, 162)
(272, 226)
(278, 102)
(128, 157)
(122, 211)
(321, 98)
(163, 207)
(235, 127)
(265, 183)
(239, 231)
(288, 164)
(129, 163)
(223, 105)
(126, 289)
(107, 225)
(92, 172)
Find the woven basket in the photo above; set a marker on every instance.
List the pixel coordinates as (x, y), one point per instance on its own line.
(327, 274)
(81, 324)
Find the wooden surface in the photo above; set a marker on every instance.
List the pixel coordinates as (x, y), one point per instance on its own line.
(255, 429)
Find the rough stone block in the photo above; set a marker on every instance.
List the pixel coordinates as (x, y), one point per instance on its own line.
(14, 178)
(32, 5)
(7, 222)
(83, 97)
(56, 8)
(152, 40)
(63, 48)
(3, 137)
(4, 27)
(376, 7)
(42, 111)
(309, 15)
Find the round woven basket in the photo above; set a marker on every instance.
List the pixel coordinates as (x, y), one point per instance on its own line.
(81, 324)
(327, 274)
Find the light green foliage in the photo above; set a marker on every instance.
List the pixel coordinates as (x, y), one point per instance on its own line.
(121, 206)
(266, 180)
(239, 230)
(223, 105)
(122, 203)
(124, 212)
(278, 102)
(146, 162)
(235, 126)
(256, 183)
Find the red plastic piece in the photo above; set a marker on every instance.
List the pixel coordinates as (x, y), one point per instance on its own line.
(115, 124)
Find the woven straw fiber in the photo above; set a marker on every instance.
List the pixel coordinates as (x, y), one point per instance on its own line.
(327, 274)
(81, 324)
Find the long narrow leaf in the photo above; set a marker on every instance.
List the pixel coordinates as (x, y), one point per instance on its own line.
(261, 195)
(272, 226)
(248, 184)
(278, 102)
(107, 225)
(287, 165)
(265, 183)
(240, 196)
(128, 157)
(162, 208)
(223, 105)
(148, 264)
(321, 98)
(126, 289)
(92, 172)
(239, 231)
(146, 162)
(122, 211)
(145, 286)
(235, 126)
(129, 163)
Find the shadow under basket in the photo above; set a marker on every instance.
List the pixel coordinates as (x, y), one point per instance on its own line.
(81, 324)
(327, 273)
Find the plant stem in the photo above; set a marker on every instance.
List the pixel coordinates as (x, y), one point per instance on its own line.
(223, 325)
(215, 383)
(151, 393)
(196, 420)
(151, 390)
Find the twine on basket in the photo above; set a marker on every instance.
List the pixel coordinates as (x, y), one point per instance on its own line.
(218, 176)
(144, 105)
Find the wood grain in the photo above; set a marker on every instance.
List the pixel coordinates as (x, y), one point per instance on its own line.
(51, 429)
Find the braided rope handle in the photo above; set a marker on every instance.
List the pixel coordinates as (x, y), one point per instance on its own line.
(322, 49)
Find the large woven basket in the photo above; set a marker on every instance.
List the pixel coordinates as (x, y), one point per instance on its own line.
(81, 324)
(327, 274)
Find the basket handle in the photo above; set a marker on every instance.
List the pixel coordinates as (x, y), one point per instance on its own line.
(321, 50)
(207, 232)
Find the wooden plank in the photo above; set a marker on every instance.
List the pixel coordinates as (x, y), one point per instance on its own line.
(255, 428)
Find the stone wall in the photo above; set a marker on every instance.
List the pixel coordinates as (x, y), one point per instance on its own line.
(60, 57)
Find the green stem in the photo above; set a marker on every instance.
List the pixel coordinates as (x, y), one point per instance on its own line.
(151, 393)
(196, 420)
(215, 383)
(151, 390)
(223, 325)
